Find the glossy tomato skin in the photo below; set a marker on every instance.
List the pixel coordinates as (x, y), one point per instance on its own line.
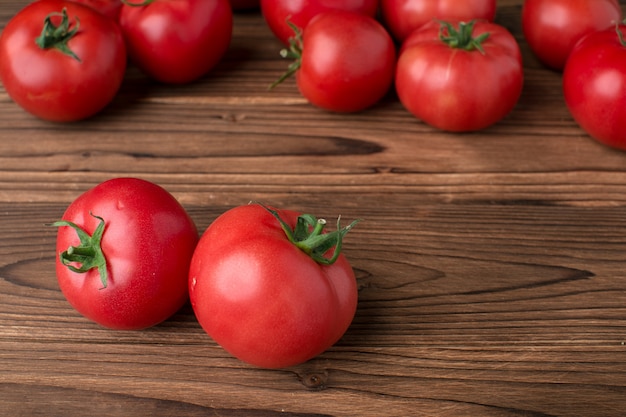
(177, 41)
(458, 90)
(298, 12)
(348, 62)
(55, 86)
(402, 17)
(148, 242)
(109, 8)
(552, 27)
(594, 86)
(261, 298)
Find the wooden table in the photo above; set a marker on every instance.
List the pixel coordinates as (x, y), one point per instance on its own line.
(491, 266)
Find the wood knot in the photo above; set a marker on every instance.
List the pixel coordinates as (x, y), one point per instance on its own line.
(316, 381)
(233, 118)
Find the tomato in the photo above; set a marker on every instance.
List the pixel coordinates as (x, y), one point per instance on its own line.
(278, 12)
(269, 301)
(345, 61)
(594, 85)
(110, 8)
(402, 17)
(464, 87)
(177, 41)
(68, 77)
(130, 244)
(552, 27)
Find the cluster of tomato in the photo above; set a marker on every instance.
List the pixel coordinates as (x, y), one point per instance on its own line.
(347, 58)
(584, 40)
(271, 286)
(65, 60)
(454, 68)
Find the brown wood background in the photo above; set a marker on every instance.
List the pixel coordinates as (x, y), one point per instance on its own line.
(491, 265)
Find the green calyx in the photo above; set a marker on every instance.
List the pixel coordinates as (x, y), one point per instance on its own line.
(462, 38)
(308, 236)
(57, 37)
(620, 35)
(139, 4)
(294, 52)
(88, 254)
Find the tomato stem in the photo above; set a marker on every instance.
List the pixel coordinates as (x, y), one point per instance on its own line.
(293, 52)
(620, 35)
(462, 38)
(88, 254)
(309, 236)
(58, 36)
(140, 4)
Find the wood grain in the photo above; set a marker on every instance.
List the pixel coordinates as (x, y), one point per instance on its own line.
(491, 265)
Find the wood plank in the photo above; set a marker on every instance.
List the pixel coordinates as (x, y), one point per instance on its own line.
(490, 265)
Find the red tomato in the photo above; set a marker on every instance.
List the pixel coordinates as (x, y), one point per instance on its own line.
(177, 41)
(345, 61)
(594, 86)
(460, 88)
(110, 8)
(68, 78)
(136, 246)
(404, 16)
(299, 13)
(261, 297)
(552, 27)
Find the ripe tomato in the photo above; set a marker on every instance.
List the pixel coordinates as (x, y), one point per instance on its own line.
(461, 78)
(594, 85)
(278, 12)
(67, 77)
(261, 296)
(404, 16)
(130, 244)
(110, 8)
(177, 41)
(345, 61)
(552, 27)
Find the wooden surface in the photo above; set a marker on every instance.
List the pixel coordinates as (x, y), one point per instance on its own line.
(491, 266)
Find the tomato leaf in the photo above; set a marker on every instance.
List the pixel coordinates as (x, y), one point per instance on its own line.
(308, 236)
(88, 254)
(57, 37)
(462, 38)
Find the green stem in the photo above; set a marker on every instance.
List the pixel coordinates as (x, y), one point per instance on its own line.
(58, 36)
(140, 4)
(462, 38)
(294, 52)
(88, 255)
(309, 236)
(620, 35)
